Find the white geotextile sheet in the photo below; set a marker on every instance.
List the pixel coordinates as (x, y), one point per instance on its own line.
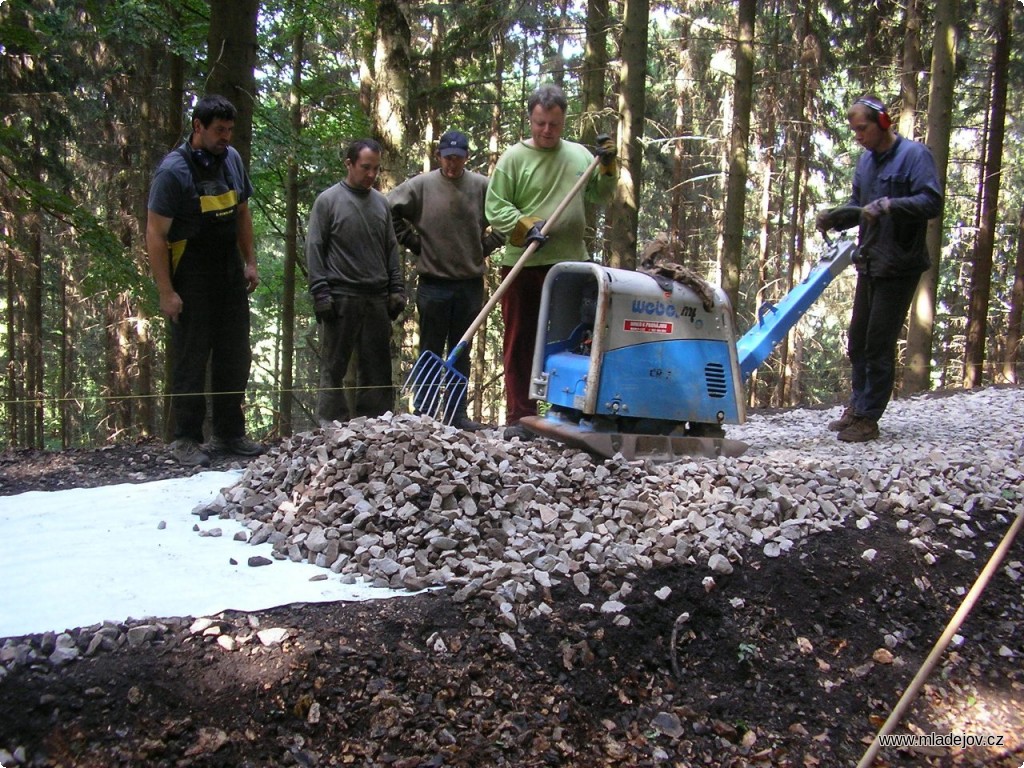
(79, 557)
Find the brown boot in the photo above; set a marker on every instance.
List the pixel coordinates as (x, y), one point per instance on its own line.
(848, 417)
(862, 430)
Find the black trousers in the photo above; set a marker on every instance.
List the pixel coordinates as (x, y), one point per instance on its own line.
(213, 328)
(360, 327)
(880, 307)
(446, 309)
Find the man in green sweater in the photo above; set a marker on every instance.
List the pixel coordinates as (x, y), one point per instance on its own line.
(439, 216)
(529, 181)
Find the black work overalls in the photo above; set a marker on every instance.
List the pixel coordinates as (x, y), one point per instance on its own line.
(208, 275)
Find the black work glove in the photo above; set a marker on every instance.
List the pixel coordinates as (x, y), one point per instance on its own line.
(491, 241)
(408, 236)
(875, 209)
(823, 221)
(526, 231)
(608, 154)
(534, 234)
(841, 217)
(396, 305)
(323, 308)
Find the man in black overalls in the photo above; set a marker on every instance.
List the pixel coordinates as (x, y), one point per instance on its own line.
(199, 239)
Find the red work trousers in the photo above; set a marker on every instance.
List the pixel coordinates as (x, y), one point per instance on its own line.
(520, 308)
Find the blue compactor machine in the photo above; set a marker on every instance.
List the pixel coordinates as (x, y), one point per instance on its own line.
(644, 365)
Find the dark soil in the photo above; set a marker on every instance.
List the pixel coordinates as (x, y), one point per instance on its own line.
(781, 663)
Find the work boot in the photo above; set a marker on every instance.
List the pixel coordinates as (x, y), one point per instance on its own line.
(848, 417)
(517, 430)
(188, 453)
(862, 430)
(467, 424)
(240, 446)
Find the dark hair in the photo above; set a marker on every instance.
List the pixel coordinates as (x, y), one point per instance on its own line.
(212, 107)
(358, 146)
(547, 96)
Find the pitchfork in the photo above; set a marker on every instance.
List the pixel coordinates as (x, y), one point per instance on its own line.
(432, 378)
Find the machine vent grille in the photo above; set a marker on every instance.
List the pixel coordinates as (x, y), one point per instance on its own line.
(714, 375)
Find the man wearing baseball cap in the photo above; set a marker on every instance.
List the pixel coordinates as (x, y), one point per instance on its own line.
(439, 217)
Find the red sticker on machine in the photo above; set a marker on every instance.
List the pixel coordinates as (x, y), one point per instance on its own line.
(646, 326)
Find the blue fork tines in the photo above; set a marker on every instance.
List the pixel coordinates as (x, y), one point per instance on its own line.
(432, 382)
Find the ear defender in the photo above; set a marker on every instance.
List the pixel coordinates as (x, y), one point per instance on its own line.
(881, 114)
(205, 159)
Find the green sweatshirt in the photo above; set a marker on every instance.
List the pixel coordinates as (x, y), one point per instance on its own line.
(528, 181)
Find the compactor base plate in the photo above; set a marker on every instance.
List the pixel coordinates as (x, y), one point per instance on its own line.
(658, 448)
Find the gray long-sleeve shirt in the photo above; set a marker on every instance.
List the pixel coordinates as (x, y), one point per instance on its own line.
(351, 249)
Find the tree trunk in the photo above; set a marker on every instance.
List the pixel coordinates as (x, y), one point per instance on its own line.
(65, 362)
(390, 87)
(1012, 356)
(117, 367)
(787, 386)
(13, 269)
(173, 133)
(174, 127)
(623, 212)
(680, 204)
(34, 364)
(981, 272)
(231, 63)
(145, 421)
(291, 242)
(231, 76)
(121, 215)
(764, 228)
(433, 125)
(553, 43)
(911, 67)
(389, 94)
(595, 63)
(481, 370)
(150, 124)
(917, 371)
(736, 184)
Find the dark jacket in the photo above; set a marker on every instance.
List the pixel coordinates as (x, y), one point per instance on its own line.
(894, 245)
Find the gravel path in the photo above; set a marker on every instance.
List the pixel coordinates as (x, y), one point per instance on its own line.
(407, 503)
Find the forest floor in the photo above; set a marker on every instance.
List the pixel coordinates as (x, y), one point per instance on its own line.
(780, 664)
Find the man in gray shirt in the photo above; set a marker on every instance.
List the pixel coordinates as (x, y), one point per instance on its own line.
(355, 279)
(439, 216)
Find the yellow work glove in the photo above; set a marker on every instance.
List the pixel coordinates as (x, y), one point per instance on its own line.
(526, 231)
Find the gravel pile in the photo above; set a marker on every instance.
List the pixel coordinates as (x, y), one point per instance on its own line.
(405, 502)
(408, 503)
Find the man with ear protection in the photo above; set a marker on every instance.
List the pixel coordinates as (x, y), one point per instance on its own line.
(199, 240)
(896, 190)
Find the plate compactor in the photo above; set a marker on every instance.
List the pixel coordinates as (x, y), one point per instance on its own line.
(649, 365)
